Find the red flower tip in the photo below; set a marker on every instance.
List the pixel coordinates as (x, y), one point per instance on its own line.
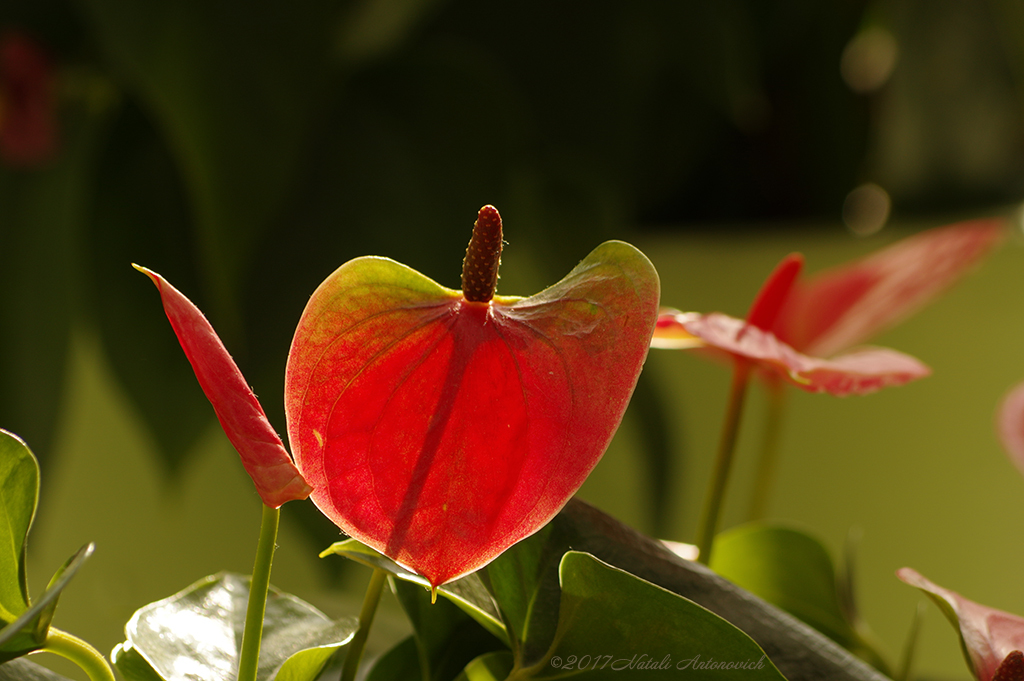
(241, 416)
(27, 102)
(844, 306)
(774, 292)
(480, 268)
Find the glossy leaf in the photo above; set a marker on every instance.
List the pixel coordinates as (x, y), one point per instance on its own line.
(132, 665)
(29, 631)
(240, 414)
(792, 570)
(198, 632)
(524, 581)
(468, 593)
(611, 621)
(440, 431)
(23, 624)
(787, 568)
(797, 650)
(857, 372)
(988, 636)
(845, 306)
(19, 492)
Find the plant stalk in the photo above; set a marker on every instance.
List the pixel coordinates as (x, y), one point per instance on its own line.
(369, 609)
(249, 657)
(768, 463)
(78, 651)
(723, 461)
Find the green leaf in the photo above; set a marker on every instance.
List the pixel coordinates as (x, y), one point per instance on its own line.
(28, 632)
(307, 664)
(447, 639)
(524, 581)
(796, 650)
(131, 665)
(233, 92)
(488, 667)
(398, 664)
(199, 631)
(787, 568)
(19, 484)
(795, 572)
(469, 593)
(611, 621)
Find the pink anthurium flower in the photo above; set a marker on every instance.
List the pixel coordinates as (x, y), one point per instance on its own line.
(263, 454)
(440, 426)
(792, 324)
(1010, 423)
(28, 118)
(992, 640)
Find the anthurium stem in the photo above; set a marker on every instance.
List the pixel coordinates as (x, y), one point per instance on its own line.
(249, 657)
(78, 651)
(768, 463)
(369, 609)
(723, 461)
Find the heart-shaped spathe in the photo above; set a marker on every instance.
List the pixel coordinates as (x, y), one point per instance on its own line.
(441, 431)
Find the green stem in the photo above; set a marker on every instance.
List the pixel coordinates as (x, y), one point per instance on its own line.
(723, 461)
(248, 659)
(78, 651)
(370, 601)
(768, 464)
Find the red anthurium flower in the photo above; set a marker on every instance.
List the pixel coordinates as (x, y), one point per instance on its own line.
(440, 426)
(263, 454)
(992, 640)
(837, 309)
(28, 126)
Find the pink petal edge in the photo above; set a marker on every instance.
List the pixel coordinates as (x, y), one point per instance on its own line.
(1010, 425)
(844, 306)
(989, 635)
(263, 454)
(855, 373)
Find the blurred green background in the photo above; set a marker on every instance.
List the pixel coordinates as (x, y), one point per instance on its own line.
(245, 150)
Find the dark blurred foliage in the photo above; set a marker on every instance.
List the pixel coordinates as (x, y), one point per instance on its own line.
(246, 149)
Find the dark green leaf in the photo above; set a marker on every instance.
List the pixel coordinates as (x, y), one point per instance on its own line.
(199, 631)
(787, 568)
(468, 592)
(489, 667)
(28, 632)
(41, 213)
(401, 663)
(446, 637)
(19, 492)
(794, 571)
(798, 651)
(611, 621)
(524, 581)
